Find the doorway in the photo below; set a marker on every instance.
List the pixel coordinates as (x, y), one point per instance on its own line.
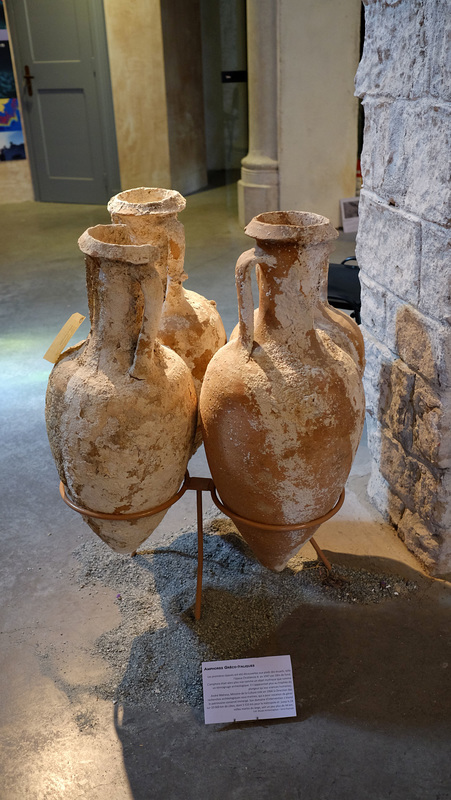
(224, 57)
(61, 58)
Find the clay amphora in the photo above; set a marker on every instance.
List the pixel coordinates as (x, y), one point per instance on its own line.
(121, 410)
(329, 321)
(282, 412)
(190, 324)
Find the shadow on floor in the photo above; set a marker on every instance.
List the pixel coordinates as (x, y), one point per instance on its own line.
(371, 681)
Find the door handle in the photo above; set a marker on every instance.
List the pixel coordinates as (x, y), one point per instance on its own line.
(27, 78)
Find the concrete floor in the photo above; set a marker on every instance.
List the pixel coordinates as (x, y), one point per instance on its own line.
(374, 679)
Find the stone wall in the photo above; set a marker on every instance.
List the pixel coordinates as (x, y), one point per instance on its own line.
(403, 248)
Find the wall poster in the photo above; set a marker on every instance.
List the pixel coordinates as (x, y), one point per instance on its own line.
(11, 135)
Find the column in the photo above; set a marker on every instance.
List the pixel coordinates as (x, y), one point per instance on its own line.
(258, 189)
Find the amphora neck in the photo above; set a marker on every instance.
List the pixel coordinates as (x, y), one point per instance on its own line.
(125, 297)
(150, 214)
(292, 249)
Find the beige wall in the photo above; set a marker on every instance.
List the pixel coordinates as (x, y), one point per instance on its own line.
(15, 182)
(135, 45)
(318, 58)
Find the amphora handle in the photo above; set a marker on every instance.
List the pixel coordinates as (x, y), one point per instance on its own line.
(152, 290)
(244, 265)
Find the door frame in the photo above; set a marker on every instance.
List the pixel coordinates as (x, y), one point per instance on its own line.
(112, 178)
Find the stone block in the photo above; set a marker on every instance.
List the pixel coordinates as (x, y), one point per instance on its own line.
(375, 142)
(393, 307)
(439, 51)
(377, 372)
(378, 491)
(389, 247)
(396, 508)
(432, 496)
(435, 272)
(423, 489)
(400, 413)
(428, 496)
(394, 54)
(432, 424)
(401, 471)
(420, 539)
(373, 298)
(424, 344)
(406, 156)
(374, 434)
(385, 501)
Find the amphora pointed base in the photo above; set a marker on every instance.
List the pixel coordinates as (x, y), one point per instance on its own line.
(274, 549)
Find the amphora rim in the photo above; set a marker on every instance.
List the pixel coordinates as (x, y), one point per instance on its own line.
(146, 200)
(303, 227)
(113, 242)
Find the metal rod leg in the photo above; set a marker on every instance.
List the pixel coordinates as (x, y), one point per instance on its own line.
(321, 555)
(200, 554)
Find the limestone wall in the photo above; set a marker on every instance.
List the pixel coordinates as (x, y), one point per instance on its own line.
(403, 248)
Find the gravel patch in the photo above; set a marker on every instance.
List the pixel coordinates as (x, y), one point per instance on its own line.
(156, 651)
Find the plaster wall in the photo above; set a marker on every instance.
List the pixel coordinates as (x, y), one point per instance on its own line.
(15, 181)
(403, 249)
(135, 45)
(317, 137)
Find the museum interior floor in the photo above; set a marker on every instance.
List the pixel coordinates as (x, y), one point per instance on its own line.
(100, 655)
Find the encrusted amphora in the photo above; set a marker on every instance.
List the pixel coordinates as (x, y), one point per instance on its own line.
(190, 324)
(282, 405)
(121, 409)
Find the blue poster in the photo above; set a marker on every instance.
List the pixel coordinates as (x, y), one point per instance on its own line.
(12, 145)
(10, 114)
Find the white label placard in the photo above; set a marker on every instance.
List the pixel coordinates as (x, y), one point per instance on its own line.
(248, 688)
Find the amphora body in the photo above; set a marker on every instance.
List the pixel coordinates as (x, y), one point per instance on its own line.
(282, 410)
(121, 410)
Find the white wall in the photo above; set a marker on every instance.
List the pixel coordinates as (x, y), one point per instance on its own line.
(317, 138)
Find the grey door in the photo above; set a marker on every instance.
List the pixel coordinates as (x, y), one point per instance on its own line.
(67, 102)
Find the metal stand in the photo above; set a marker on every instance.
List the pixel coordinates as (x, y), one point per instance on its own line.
(200, 485)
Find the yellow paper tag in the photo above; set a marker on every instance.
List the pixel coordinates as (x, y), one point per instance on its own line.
(62, 338)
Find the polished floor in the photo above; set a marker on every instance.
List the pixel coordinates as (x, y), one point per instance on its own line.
(377, 725)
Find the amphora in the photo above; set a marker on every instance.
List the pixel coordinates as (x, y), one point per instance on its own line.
(190, 324)
(282, 411)
(121, 410)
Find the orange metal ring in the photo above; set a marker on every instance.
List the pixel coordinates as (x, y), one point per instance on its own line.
(280, 528)
(126, 517)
